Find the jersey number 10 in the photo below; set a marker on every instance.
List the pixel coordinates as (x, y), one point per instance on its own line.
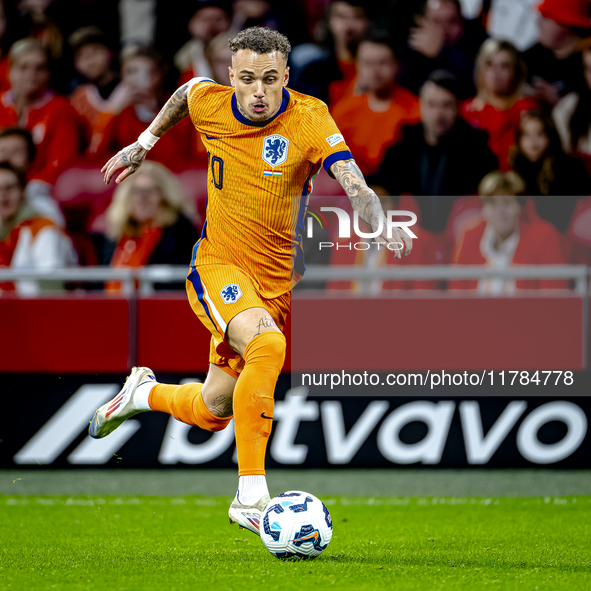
(217, 175)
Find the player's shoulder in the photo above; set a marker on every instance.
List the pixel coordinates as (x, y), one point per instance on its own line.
(304, 105)
(207, 88)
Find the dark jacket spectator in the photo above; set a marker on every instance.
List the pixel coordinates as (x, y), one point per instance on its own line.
(441, 157)
(209, 20)
(572, 114)
(556, 180)
(442, 40)
(330, 75)
(553, 64)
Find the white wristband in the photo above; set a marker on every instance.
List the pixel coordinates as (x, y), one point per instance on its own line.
(147, 140)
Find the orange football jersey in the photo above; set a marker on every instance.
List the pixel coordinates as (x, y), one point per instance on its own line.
(259, 180)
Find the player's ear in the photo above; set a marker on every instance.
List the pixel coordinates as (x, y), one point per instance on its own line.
(286, 76)
(231, 72)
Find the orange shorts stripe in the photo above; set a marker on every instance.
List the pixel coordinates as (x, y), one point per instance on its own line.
(217, 293)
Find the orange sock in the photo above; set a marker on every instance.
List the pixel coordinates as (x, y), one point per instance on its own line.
(254, 402)
(185, 404)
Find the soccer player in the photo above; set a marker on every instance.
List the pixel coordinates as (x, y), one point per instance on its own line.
(265, 145)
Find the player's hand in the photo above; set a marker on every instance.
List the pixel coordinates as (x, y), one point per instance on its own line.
(401, 242)
(130, 159)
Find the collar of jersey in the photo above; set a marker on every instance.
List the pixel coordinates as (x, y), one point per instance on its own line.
(246, 121)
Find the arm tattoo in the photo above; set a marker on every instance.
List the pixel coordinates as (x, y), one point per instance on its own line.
(133, 156)
(362, 198)
(175, 109)
(221, 406)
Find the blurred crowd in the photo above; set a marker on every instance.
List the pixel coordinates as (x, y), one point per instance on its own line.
(476, 114)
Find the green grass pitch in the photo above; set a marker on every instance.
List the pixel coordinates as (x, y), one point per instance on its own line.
(419, 543)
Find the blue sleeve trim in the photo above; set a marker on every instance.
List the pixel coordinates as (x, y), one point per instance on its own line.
(335, 157)
(203, 79)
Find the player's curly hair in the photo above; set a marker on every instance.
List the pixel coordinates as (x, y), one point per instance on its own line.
(260, 40)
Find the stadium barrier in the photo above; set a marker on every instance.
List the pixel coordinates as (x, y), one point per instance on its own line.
(70, 352)
(148, 276)
(544, 329)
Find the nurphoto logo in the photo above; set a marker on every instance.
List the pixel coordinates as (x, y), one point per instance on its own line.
(395, 219)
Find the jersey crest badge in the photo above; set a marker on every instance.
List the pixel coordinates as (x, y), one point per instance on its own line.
(275, 149)
(231, 293)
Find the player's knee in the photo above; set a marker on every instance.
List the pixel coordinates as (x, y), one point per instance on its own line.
(271, 345)
(220, 424)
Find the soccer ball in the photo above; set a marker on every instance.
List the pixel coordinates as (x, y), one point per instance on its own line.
(296, 524)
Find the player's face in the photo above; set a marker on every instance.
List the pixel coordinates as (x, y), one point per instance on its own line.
(502, 213)
(29, 74)
(259, 80)
(11, 194)
(14, 149)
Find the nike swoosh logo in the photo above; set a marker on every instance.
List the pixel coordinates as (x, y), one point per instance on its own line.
(211, 137)
(265, 417)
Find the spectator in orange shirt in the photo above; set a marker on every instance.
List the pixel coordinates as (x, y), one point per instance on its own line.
(149, 222)
(30, 104)
(442, 39)
(500, 100)
(505, 239)
(371, 122)
(100, 95)
(142, 70)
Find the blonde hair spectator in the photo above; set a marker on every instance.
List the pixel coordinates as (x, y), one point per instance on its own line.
(492, 91)
(120, 219)
(500, 183)
(25, 46)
